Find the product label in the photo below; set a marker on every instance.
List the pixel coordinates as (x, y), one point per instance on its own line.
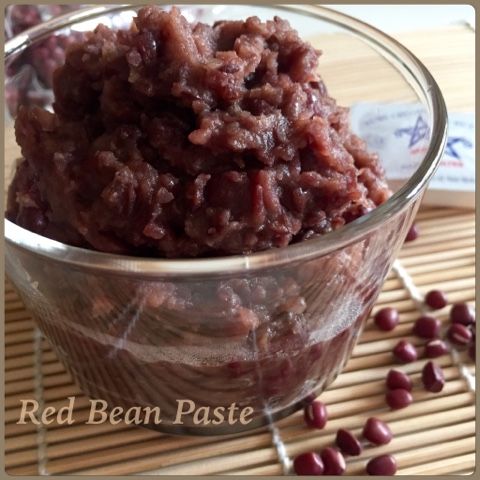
(399, 133)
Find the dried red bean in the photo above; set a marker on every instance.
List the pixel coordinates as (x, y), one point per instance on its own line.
(348, 443)
(435, 348)
(398, 398)
(405, 352)
(427, 327)
(397, 379)
(316, 415)
(459, 334)
(432, 377)
(382, 465)
(386, 318)
(377, 432)
(436, 299)
(462, 313)
(413, 233)
(308, 463)
(333, 461)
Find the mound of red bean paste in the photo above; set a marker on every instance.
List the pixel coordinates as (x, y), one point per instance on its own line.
(178, 139)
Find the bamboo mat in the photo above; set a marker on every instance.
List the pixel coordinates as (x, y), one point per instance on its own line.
(434, 435)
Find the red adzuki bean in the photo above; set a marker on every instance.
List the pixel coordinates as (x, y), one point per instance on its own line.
(427, 327)
(432, 377)
(397, 379)
(462, 313)
(435, 348)
(436, 299)
(386, 319)
(308, 463)
(405, 352)
(348, 443)
(377, 432)
(316, 415)
(413, 233)
(398, 398)
(333, 461)
(459, 334)
(382, 465)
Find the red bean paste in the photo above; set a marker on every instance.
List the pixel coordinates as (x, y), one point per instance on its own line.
(178, 139)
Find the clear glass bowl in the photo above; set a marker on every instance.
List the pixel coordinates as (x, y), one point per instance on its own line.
(265, 330)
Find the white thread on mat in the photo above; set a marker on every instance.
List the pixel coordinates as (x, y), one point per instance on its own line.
(121, 341)
(465, 372)
(38, 389)
(417, 297)
(409, 284)
(279, 445)
(277, 441)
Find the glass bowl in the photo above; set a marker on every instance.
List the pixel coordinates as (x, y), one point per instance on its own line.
(259, 334)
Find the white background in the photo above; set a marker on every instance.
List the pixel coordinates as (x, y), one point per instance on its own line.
(397, 18)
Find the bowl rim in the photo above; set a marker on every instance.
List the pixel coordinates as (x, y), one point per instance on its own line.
(408, 65)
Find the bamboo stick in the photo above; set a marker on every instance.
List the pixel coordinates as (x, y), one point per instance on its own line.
(441, 265)
(19, 326)
(437, 227)
(437, 216)
(13, 316)
(443, 276)
(441, 467)
(264, 470)
(21, 349)
(25, 373)
(18, 337)
(437, 247)
(437, 450)
(427, 258)
(27, 385)
(11, 295)
(27, 360)
(24, 470)
(431, 236)
(14, 306)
